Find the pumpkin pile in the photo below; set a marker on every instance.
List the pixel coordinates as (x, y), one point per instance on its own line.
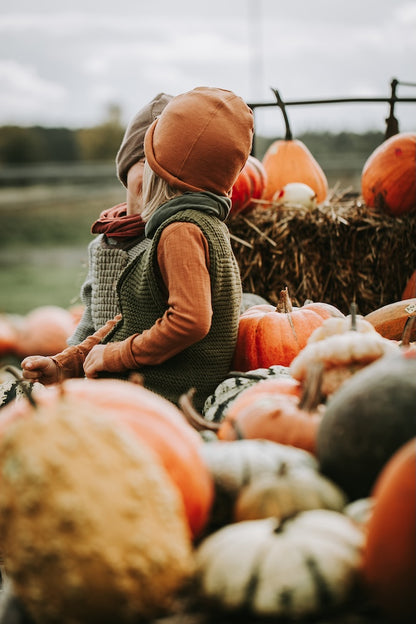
(125, 510)
(331, 245)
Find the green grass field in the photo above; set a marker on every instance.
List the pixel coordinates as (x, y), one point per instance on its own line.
(44, 233)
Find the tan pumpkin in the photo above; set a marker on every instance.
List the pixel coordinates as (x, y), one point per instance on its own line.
(390, 320)
(293, 569)
(388, 179)
(83, 518)
(285, 494)
(289, 160)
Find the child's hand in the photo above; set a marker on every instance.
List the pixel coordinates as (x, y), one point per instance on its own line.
(40, 368)
(94, 362)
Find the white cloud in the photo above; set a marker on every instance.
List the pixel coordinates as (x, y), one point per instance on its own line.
(84, 54)
(25, 94)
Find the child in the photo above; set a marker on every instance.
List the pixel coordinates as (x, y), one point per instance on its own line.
(120, 229)
(180, 299)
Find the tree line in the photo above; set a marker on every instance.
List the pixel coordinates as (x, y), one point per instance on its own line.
(37, 144)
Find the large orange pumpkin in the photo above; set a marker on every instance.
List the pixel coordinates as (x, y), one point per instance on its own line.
(289, 160)
(249, 185)
(389, 559)
(388, 179)
(155, 421)
(269, 335)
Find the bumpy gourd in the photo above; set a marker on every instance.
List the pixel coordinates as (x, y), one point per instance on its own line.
(83, 513)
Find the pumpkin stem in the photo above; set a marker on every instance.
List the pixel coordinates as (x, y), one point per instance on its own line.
(353, 312)
(407, 331)
(27, 390)
(195, 419)
(284, 305)
(281, 104)
(311, 391)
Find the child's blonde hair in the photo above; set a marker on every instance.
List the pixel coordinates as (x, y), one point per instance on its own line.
(156, 191)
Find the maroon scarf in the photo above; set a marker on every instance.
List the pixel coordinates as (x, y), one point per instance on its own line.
(115, 223)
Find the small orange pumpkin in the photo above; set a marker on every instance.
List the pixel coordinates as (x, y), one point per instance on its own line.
(269, 335)
(249, 185)
(389, 561)
(274, 410)
(388, 179)
(289, 160)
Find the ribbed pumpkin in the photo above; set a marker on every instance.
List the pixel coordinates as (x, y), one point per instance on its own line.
(389, 561)
(234, 465)
(388, 179)
(249, 185)
(269, 335)
(291, 570)
(289, 160)
(285, 494)
(154, 421)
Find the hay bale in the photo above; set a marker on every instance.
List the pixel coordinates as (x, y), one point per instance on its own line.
(339, 252)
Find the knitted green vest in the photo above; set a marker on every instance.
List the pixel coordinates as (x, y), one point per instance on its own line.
(143, 300)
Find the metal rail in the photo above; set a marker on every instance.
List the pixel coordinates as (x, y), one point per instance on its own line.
(392, 124)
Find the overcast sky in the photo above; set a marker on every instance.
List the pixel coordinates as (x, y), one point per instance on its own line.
(65, 63)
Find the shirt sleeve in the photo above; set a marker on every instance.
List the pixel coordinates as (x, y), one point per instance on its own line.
(183, 258)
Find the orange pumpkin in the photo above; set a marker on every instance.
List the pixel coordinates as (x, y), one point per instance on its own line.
(389, 559)
(44, 331)
(8, 336)
(272, 410)
(269, 335)
(388, 179)
(289, 160)
(155, 421)
(249, 185)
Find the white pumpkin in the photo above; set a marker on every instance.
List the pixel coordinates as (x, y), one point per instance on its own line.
(301, 567)
(296, 193)
(284, 495)
(235, 464)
